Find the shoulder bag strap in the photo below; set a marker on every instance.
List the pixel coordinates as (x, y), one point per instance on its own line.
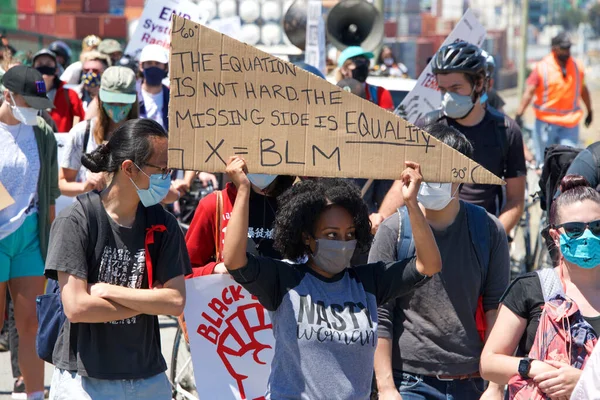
(86, 135)
(218, 225)
(479, 231)
(406, 244)
(551, 284)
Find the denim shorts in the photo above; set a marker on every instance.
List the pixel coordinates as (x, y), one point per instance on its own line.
(20, 254)
(419, 387)
(69, 385)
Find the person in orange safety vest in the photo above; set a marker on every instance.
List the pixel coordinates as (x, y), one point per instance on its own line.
(557, 82)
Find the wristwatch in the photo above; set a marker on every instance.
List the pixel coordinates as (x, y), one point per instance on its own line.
(524, 367)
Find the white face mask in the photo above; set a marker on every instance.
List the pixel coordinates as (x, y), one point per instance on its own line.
(435, 196)
(25, 115)
(261, 181)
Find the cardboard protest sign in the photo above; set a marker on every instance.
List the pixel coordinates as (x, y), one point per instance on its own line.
(154, 26)
(229, 98)
(5, 199)
(425, 96)
(231, 339)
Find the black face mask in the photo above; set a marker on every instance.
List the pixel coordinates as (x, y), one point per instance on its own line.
(361, 72)
(563, 57)
(46, 70)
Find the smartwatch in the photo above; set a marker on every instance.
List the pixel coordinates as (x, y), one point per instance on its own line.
(524, 367)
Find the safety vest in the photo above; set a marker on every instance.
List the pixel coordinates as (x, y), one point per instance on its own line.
(557, 97)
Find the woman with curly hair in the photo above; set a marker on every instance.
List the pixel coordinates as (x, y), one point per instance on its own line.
(324, 314)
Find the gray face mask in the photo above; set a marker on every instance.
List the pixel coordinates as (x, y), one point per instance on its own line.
(333, 256)
(457, 106)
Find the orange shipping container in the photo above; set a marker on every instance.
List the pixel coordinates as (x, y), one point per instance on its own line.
(45, 6)
(133, 12)
(73, 6)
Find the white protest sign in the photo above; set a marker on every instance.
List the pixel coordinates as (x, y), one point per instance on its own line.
(315, 36)
(425, 97)
(231, 339)
(61, 140)
(154, 26)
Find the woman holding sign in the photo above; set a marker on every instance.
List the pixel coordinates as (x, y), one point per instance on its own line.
(324, 314)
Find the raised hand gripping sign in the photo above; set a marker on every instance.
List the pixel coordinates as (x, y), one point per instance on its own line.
(229, 98)
(231, 339)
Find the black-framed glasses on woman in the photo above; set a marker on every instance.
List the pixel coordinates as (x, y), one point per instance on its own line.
(576, 229)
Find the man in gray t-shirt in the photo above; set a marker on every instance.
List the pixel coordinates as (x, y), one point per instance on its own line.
(429, 345)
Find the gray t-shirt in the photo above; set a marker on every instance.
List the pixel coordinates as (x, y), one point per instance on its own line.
(433, 328)
(125, 349)
(325, 329)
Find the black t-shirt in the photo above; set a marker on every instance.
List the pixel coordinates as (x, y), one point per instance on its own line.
(525, 298)
(488, 152)
(494, 99)
(125, 349)
(260, 225)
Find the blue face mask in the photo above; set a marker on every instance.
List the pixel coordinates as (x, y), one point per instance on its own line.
(157, 190)
(583, 251)
(117, 112)
(154, 75)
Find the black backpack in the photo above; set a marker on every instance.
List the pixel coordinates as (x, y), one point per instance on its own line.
(557, 160)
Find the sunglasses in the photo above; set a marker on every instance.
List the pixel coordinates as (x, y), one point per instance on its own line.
(164, 172)
(576, 229)
(94, 70)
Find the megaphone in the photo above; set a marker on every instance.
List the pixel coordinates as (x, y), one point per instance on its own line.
(294, 23)
(355, 23)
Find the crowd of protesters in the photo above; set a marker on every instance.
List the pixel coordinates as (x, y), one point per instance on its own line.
(421, 269)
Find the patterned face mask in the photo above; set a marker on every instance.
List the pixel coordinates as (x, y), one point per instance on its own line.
(91, 79)
(117, 112)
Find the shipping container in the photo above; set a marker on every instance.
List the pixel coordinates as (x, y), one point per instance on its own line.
(8, 6)
(428, 24)
(45, 7)
(87, 24)
(46, 24)
(8, 21)
(26, 6)
(113, 27)
(132, 13)
(65, 26)
(135, 3)
(96, 6)
(69, 6)
(27, 22)
(390, 28)
(409, 25)
(116, 7)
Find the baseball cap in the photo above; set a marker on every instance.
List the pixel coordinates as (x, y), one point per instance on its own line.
(562, 40)
(109, 46)
(43, 52)
(351, 52)
(154, 52)
(118, 86)
(28, 83)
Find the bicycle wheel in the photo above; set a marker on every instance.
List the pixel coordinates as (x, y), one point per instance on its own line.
(182, 372)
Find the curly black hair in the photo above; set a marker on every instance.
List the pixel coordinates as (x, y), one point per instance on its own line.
(302, 204)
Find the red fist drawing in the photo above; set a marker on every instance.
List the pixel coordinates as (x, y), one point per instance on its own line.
(242, 341)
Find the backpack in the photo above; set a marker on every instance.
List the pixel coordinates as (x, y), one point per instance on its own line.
(562, 335)
(49, 309)
(479, 232)
(557, 160)
(501, 120)
(373, 93)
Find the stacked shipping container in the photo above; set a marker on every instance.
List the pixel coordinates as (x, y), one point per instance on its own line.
(70, 19)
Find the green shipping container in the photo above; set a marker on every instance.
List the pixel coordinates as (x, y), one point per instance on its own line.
(8, 7)
(8, 21)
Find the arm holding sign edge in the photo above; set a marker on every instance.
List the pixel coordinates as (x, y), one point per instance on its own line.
(237, 228)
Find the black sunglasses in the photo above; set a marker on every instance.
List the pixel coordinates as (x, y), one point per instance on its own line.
(164, 172)
(576, 229)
